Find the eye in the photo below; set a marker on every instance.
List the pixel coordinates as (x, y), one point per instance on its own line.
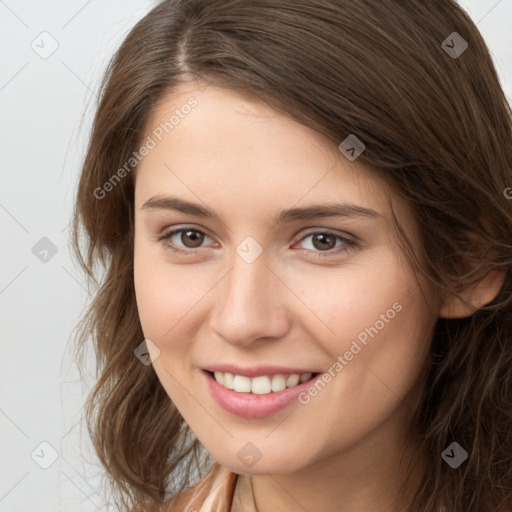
(192, 238)
(325, 243)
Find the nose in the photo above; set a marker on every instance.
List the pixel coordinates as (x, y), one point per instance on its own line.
(250, 304)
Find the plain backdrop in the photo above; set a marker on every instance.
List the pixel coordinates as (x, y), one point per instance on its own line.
(53, 56)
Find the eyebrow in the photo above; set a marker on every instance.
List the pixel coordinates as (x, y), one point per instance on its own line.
(292, 214)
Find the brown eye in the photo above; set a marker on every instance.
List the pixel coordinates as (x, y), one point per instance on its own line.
(323, 243)
(183, 240)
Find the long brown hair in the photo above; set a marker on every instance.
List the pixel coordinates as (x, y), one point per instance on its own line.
(435, 124)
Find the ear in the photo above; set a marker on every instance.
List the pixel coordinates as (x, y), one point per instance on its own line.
(476, 296)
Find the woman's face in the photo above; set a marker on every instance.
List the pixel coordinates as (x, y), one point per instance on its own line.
(265, 280)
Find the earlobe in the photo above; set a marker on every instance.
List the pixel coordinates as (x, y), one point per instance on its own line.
(475, 297)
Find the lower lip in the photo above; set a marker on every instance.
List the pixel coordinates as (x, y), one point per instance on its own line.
(251, 405)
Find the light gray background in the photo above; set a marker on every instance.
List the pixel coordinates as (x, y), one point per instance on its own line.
(46, 107)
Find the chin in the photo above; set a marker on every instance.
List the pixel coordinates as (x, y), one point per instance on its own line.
(262, 467)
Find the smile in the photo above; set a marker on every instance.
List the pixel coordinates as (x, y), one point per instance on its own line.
(253, 396)
(260, 385)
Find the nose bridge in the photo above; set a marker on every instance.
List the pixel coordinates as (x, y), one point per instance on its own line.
(249, 303)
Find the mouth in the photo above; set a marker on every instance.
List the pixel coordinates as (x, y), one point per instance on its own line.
(262, 384)
(242, 401)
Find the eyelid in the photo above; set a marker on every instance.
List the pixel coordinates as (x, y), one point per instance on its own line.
(342, 234)
(349, 241)
(309, 231)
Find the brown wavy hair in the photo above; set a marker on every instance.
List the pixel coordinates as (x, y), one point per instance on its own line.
(437, 127)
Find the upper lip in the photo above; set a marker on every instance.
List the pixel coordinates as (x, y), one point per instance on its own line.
(256, 371)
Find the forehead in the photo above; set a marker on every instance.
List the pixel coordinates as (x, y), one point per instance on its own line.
(228, 138)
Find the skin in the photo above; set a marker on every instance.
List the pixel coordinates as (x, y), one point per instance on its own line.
(340, 452)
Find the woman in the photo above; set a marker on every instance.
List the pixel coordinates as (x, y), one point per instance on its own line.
(301, 209)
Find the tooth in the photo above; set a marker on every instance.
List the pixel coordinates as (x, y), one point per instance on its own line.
(292, 380)
(261, 385)
(228, 380)
(242, 384)
(278, 383)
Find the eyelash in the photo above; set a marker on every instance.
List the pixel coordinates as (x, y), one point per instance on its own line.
(349, 243)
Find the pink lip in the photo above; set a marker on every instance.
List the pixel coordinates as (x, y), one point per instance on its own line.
(250, 405)
(256, 371)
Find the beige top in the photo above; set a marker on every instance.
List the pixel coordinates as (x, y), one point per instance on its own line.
(220, 490)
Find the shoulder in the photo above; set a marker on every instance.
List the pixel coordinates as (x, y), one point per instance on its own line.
(214, 492)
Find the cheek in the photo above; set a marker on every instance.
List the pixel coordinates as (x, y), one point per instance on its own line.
(382, 356)
(349, 298)
(379, 325)
(168, 295)
(156, 298)
(164, 301)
